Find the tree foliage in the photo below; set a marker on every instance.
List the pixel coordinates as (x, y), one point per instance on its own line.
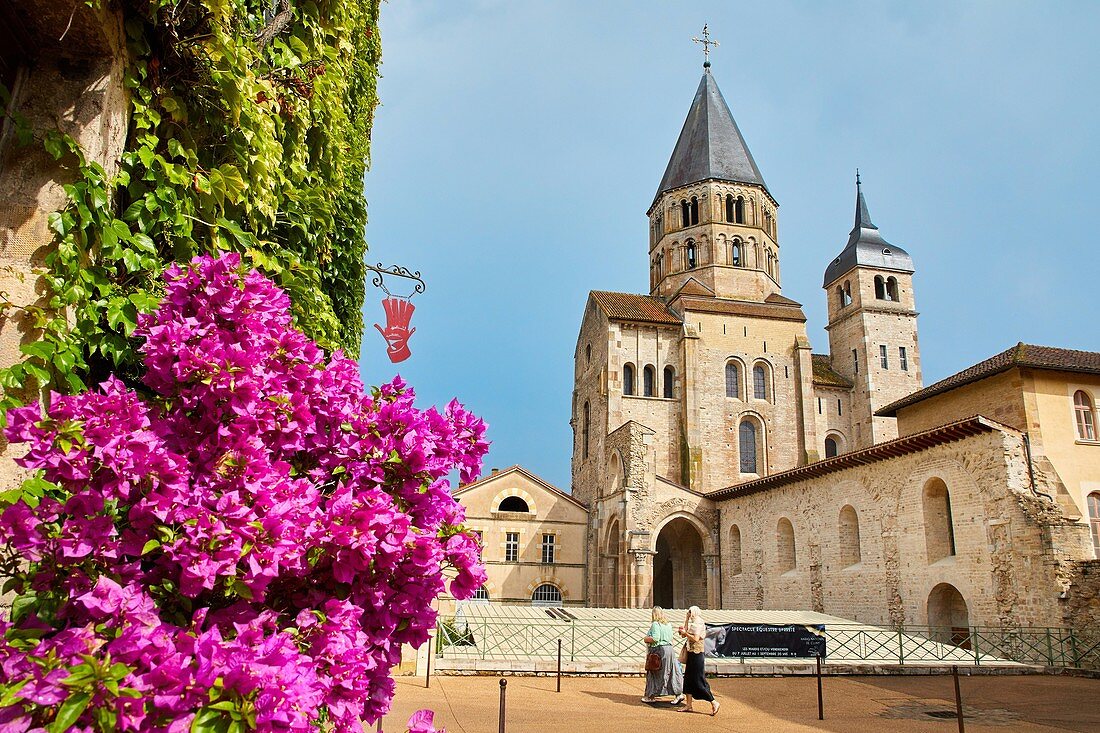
(249, 131)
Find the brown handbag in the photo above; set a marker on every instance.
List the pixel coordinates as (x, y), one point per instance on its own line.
(652, 661)
(684, 654)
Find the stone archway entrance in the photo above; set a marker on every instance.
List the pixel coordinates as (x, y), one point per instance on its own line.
(679, 576)
(948, 615)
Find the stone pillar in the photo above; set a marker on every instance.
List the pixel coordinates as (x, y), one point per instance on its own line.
(692, 435)
(642, 570)
(713, 579)
(804, 371)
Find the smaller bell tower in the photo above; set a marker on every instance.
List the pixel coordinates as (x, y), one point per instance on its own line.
(872, 325)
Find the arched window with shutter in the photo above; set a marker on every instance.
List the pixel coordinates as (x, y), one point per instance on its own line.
(760, 382)
(1086, 419)
(747, 447)
(733, 379)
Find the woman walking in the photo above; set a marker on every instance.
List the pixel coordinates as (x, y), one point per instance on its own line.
(694, 632)
(666, 679)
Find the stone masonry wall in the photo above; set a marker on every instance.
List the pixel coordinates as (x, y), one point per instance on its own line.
(1013, 550)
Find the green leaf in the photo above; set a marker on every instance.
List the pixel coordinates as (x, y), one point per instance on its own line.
(70, 711)
(42, 349)
(150, 546)
(22, 606)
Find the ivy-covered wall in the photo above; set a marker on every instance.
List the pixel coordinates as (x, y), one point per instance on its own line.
(249, 130)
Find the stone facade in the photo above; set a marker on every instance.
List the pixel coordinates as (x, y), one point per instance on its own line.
(518, 503)
(1005, 549)
(724, 464)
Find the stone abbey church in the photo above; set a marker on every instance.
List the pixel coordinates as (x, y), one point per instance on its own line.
(721, 462)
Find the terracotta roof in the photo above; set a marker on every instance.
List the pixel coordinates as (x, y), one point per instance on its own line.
(781, 300)
(824, 374)
(884, 451)
(630, 307)
(743, 308)
(519, 469)
(1020, 355)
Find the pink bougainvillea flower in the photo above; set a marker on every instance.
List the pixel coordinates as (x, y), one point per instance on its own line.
(254, 531)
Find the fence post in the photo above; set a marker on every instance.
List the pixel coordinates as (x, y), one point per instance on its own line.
(901, 648)
(1050, 649)
(820, 700)
(974, 632)
(958, 698)
(559, 665)
(503, 687)
(1073, 648)
(428, 666)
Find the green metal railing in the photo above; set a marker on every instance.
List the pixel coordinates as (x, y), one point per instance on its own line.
(502, 639)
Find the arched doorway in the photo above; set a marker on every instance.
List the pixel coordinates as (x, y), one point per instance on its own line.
(611, 567)
(679, 578)
(948, 615)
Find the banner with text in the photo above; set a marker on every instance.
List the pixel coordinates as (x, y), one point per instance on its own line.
(765, 640)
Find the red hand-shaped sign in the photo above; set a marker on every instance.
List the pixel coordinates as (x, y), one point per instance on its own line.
(397, 332)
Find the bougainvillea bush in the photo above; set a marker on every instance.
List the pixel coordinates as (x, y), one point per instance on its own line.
(243, 541)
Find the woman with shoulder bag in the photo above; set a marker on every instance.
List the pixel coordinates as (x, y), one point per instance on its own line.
(694, 632)
(663, 675)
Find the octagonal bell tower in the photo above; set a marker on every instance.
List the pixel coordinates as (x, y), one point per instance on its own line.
(713, 219)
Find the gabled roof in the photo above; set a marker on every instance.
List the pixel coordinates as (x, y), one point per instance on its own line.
(638, 308)
(525, 473)
(710, 145)
(779, 310)
(692, 286)
(824, 373)
(866, 247)
(1020, 355)
(881, 452)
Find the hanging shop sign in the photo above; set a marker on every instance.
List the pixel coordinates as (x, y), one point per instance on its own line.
(399, 310)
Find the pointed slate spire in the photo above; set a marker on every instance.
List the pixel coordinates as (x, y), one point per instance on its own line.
(710, 144)
(866, 246)
(863, 216)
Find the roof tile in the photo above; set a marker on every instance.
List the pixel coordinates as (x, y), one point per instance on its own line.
(1020, 355)
(630, 307)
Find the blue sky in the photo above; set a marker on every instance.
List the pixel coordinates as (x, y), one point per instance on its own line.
(519, 144)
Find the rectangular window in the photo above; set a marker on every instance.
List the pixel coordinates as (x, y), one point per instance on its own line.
(903, 358)
(548, 548)
(855, 360)
(883, 357)
(511, 547)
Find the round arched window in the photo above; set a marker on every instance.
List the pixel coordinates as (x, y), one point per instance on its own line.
(513, 504)
(546, 595)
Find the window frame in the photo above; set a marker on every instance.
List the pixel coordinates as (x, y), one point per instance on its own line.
(903, 358)
(1084, 415)
(511, 547)
(549, 548)
(884, 356)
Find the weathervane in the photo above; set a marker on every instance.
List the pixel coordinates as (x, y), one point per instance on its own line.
(707, 43)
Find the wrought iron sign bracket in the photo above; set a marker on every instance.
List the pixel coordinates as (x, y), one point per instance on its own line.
(379, 279)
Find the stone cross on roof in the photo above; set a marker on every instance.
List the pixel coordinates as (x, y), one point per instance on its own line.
(707, 43)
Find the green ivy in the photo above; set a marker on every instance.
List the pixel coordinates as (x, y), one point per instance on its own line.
(249, 132)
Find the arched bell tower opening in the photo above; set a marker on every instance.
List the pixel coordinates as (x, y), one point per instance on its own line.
(679, 575)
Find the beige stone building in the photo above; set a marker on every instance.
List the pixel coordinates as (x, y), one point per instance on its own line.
(532, 537)
(725, 464)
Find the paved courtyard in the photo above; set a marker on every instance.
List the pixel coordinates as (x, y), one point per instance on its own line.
(773, 705)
